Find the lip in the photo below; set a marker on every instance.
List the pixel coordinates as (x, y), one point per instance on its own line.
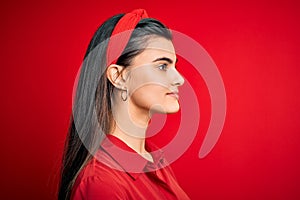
(173, 94)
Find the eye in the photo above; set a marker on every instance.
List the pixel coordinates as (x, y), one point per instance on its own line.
(163, 67)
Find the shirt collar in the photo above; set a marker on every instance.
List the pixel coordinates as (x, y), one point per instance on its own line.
(128, 159)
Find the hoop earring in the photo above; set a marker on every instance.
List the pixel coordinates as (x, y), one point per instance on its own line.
(124, 95)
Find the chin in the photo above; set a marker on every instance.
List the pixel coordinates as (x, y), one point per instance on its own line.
(165, 109)
(172, 109)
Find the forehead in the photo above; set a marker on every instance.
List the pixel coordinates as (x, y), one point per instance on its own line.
(157, 47)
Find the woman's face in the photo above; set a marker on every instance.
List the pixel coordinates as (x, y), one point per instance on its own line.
(153, 80)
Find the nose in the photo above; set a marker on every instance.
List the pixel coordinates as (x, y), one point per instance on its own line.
(176, 77)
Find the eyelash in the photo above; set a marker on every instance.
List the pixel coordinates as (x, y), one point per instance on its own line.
(163, 67)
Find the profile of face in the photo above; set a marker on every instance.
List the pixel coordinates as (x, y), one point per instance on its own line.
(151, 83)
(152, 79)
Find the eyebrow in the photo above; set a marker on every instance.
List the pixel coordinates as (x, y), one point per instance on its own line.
(169, 60)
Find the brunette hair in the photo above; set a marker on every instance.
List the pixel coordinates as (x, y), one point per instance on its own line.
(92, 118)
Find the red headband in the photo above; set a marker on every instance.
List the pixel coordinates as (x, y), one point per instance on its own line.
(125, 27)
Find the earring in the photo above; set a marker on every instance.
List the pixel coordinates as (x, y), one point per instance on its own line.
(124, 95)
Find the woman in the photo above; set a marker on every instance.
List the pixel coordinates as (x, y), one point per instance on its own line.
(127, 75)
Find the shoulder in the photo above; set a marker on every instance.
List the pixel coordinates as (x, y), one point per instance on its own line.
(98, 181)
(95, 187)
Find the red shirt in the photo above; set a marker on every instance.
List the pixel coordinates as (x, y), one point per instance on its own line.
(126, 177)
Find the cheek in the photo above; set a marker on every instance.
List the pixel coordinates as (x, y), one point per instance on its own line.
(148, 77)
(149, 95)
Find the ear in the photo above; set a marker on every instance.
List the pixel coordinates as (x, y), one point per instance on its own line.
(114, 75)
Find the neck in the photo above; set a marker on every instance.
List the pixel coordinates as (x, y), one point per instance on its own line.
(131, 125)
(136, 143)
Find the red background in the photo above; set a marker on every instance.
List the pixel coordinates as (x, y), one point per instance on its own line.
(255, 44)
